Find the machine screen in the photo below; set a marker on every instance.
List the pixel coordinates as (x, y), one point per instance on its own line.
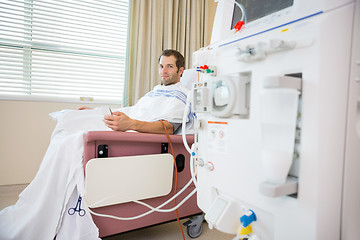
(256, 9)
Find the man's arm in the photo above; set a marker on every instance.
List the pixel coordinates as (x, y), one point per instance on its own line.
(121, 122)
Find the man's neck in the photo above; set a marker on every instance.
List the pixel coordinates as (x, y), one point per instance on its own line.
(170, 83)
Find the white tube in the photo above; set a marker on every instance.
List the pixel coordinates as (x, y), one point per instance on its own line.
(192, 172)
(167, 201)
(144, 214)
(243, 17)
(183, 127)
(183, 132)
(157, 209)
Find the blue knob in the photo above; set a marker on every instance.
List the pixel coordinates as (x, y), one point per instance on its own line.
(248, 218)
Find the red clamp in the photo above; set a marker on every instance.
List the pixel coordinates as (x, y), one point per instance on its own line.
(239, 25)
(204, 67)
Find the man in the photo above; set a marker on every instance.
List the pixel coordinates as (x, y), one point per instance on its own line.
(171, 67)
(42, 211)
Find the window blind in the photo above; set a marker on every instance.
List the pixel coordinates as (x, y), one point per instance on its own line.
(64, 49)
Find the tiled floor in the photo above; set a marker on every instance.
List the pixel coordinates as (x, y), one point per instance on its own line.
(167, 231)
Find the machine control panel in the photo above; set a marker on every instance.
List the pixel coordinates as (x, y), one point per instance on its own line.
(259, 51)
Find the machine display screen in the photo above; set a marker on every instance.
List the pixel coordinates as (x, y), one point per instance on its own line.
(256, 9)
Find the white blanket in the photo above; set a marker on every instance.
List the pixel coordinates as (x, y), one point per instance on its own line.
(51, 205)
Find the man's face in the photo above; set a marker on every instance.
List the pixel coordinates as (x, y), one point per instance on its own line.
(168, 71)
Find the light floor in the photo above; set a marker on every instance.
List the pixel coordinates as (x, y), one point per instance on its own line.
(167, 231)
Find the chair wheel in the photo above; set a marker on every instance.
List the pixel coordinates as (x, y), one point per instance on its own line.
(194, 231)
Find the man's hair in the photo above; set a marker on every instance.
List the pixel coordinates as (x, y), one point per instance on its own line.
(180, 61)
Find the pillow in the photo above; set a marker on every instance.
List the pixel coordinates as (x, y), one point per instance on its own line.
(189, 77)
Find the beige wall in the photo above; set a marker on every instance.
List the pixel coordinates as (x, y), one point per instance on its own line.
(25, 129)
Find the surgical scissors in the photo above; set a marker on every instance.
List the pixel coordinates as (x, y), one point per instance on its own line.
(77, 208)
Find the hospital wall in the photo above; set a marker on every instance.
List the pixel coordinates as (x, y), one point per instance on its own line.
(25, 131)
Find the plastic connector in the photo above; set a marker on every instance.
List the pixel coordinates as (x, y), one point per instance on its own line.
(209, 166)
(200, 162)
(207, 69)
(248, 218)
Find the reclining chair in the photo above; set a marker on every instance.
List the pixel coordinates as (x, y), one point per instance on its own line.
(104, 146)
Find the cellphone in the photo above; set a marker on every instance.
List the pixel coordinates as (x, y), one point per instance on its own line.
(106, 110)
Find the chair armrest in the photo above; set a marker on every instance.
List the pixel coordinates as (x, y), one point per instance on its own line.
(130, 143)
(133, 137)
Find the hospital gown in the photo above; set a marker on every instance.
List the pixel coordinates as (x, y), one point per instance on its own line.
(52, 205)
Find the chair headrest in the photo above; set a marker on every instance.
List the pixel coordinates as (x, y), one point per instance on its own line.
(189, 77)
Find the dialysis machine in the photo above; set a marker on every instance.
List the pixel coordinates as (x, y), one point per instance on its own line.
(278, 120)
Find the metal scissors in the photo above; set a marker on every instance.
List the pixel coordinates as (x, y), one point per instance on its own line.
(77, 208)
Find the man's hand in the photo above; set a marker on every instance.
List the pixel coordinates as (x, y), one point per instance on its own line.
(119, 122)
